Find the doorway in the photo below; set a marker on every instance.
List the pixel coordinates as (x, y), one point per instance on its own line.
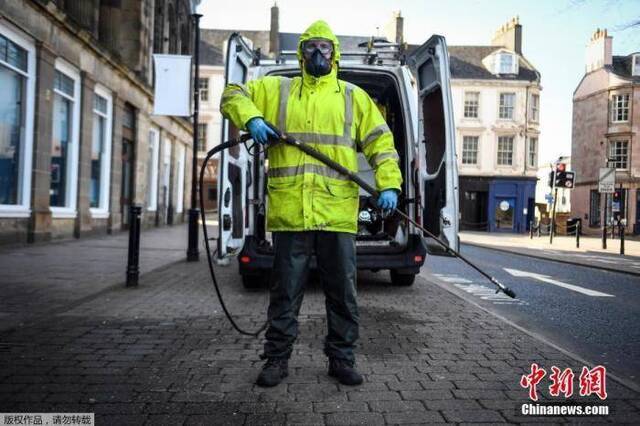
(474, 211)
(127, 181)
(504, 214)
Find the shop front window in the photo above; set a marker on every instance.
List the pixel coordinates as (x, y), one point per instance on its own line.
(16, 121)
(100, 151)
(62, 131)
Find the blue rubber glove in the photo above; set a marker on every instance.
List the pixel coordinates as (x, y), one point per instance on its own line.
(388, 199)
(260, 131)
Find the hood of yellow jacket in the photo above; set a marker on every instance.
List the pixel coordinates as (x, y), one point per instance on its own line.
(319, 29)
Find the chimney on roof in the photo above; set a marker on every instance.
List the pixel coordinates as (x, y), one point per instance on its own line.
(509, 35)
(274, 31)
(599, 50)
(394, 29)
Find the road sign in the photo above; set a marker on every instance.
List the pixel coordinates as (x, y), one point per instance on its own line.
(607, 180)
(549, 198)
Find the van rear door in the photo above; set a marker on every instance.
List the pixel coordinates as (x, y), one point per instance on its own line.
(436, 130)
(234, 167)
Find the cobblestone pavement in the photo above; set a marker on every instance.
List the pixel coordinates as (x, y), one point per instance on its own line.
(43, 278)
(162, 353)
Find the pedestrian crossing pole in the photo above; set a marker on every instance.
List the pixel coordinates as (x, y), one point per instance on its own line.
(555, 199)
(553, 214)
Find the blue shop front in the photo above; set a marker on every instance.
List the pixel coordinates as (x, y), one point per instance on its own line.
(511, 204)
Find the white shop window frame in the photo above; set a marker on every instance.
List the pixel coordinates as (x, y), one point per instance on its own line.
(70, 211)
(154, 135)
(180, 192)
(23, 209)
(102, 212)
(166, 170)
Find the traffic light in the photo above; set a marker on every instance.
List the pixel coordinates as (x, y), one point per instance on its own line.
(569, 178)
(561, 177)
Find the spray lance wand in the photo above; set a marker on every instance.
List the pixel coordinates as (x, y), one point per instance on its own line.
(284, 138)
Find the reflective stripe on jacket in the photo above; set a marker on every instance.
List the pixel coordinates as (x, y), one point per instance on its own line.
(330, 115)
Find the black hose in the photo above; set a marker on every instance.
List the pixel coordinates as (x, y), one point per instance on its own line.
(210, 154)
(339, 168)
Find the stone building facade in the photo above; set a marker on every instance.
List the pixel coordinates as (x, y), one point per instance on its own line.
(78, 143)
(496, 101)
(606, 125)
(210, 123)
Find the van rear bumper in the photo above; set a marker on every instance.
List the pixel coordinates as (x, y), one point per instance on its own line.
(256, 260)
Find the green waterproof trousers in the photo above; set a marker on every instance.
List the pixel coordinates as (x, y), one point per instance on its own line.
(336, 258)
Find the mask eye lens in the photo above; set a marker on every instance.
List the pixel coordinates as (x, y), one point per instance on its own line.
(323, 46)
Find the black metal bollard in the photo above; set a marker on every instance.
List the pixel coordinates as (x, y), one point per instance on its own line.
(621, 239)
(531, 230)
(133, 258)
(578, 230)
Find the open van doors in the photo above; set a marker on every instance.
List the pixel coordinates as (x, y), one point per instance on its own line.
(233, 177)
(436, 132)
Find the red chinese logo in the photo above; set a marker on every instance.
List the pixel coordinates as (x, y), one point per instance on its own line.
(531, 380)
(562, 382)
(594, 381)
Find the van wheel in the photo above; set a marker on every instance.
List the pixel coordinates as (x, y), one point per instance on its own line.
(402, 280)
(254, 282)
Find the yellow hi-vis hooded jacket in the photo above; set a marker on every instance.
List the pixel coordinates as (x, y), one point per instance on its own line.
(331, 116)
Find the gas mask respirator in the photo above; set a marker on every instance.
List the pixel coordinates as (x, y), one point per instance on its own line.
(317, 65)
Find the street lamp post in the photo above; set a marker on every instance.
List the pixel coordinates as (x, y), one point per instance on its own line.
(193, 254)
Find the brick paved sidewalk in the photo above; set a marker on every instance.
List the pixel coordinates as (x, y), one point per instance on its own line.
(564, 249)
(42, 278)
(163, 354)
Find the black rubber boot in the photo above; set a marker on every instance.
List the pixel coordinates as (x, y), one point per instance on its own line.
(273, 371)
(344, 371)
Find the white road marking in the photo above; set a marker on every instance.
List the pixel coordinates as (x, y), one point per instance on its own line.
(489, 294)
(547, 279)
(454, 279)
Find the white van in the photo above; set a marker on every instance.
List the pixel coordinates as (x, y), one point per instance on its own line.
(415, 98)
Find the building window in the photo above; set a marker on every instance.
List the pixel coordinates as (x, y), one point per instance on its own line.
(505, 150)
(100, 152)
(470, 150)
(158, 27)
(64, 149)
(506, 64)
(173, 30)
(203, 88)
(17, 85)
(180, 183)
(535, 108)
(471, 104)
(202, 137)
(532, 153)
(620, 108)
(507, 103)
(594, 208)
(166, 171)
(152, 170)
(619, 154)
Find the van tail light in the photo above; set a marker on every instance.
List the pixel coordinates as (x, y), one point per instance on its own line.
(417, 259)
(245, 259)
